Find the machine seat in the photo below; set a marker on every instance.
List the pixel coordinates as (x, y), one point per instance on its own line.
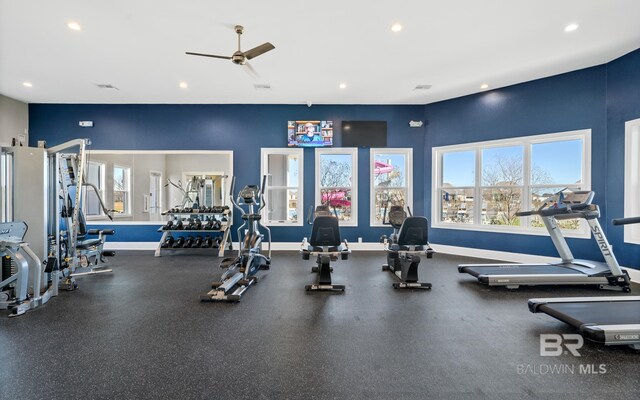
(397, 247)
(85, 244)
(414, 232)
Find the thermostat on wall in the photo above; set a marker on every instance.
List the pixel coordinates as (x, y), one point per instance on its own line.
(86, 124)
(415, 124)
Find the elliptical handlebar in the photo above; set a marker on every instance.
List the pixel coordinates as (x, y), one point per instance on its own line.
(626, 221)
(261, 199)
(233, 201)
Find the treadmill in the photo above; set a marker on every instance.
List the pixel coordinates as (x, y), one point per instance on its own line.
(569, 271)
(607, 320)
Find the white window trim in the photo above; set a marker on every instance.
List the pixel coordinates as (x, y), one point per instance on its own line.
(353, 152)
(408, 153)
(527, 141)
(129, 204)
(631, 176)
(102, 193)
(297, 151)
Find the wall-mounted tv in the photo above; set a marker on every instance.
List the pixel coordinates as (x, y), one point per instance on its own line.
(310, 133)
(364, 133)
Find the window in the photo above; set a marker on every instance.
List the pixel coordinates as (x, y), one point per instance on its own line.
(391, 177)
(483, 186)
(631, 179)
(122, 189)
(336, 182)
(95, 176)
(284, 170)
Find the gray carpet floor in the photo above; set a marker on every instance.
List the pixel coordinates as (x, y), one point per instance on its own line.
(142, 333)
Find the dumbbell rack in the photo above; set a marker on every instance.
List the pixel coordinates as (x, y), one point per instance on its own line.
(225, 229)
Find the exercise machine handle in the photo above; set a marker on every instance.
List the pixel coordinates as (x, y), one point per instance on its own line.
(409, 210)
(310, 216)
(232, 186)
(384, 216)
(233, 201)
(264, 183)
(526, 213)
(263, 202)
(626, 221)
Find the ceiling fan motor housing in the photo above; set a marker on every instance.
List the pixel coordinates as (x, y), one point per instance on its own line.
(238, 57)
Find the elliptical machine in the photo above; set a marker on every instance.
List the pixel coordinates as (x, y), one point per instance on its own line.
(405, 246)
(240, 272)
(325, 244)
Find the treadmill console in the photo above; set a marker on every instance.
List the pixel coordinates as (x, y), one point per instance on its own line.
(580, 197)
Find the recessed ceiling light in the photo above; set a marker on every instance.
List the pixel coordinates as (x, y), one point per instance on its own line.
(27, 84)
(343, 86)
(396, 27)
(184, 85)
(74, 26)
(571, 27)
(484, 86)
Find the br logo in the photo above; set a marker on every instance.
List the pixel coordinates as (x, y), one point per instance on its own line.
(552, 345)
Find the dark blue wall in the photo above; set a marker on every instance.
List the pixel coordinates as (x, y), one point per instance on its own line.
(623, 104)
(601, 98)
(566, 102)
(245, 129)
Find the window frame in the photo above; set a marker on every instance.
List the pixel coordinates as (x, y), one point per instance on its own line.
(527, 142)
(353, 152)
(102, 193)
(631, 176)
(128, 205)
(264, 165)
(407, 152)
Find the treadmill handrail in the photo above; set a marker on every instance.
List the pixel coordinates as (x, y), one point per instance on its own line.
(577, 211)
(626, 221)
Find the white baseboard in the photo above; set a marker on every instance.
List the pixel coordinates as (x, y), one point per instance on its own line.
(371, 246)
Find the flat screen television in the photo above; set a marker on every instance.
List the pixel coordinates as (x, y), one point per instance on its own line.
(364, 133)
(310, 133)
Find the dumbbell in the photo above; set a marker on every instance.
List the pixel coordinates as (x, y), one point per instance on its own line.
(189, 242)
(187, 224)
(208, 226)
(178, 243)
(207, 242)
(198, 242)
(179, 226)
(216, 225)
(216, 243)
(168, 242)
(197, 225)
(167, 226)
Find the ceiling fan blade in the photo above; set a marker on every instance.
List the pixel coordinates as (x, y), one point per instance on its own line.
(249, 70)
(208, 55)
(256, 51)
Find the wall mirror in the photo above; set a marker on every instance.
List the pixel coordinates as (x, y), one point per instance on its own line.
(139, 185)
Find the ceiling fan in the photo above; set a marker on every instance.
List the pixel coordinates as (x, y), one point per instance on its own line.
(240, 57)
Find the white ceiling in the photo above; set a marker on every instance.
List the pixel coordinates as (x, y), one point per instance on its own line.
(138, 46)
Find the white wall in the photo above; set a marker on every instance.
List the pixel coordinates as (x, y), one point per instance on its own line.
(14, 120)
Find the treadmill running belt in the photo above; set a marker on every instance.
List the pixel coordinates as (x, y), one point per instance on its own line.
(577, 313)
(519, 270)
